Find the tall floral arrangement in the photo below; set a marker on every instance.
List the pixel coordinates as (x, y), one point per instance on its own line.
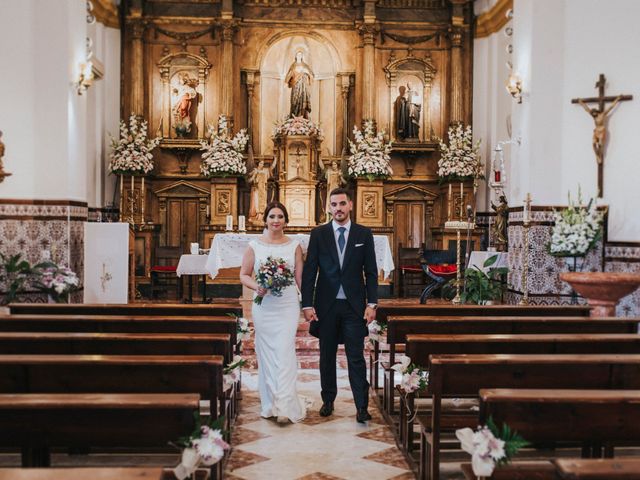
(460, 160)
(297, 126)
(222, 153)
(369, 153)
(131, 152)
(577, 229)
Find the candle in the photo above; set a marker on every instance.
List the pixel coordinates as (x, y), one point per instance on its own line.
(449, 202)
(241, 225)
(525, 210)
(229, 223)
(461, 200)
(208, 211)
(496, 176)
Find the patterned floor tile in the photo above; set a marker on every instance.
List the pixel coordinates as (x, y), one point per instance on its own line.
(382, 434)
(241, 435)
(404, 476)
(247, 417)
(240, 459)
(390, 456)
(314, 418)
(319, 476)
(308, 377)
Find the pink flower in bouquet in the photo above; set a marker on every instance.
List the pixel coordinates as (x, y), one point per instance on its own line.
(273, 275)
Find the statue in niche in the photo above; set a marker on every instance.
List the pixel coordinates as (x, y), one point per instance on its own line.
(500, 224)
(334, 180)
(298, 79)
(258, 179)
(184, 96)
(407, 112)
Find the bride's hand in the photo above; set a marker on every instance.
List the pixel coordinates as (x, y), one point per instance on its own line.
(261, 291)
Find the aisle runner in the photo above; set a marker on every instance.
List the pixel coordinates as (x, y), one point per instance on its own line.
(333, 448)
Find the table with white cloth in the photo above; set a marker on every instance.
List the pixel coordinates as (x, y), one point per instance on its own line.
(227, 250)
(478, 258)
(194, 265)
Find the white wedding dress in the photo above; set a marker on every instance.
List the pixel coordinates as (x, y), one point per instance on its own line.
(276, 324)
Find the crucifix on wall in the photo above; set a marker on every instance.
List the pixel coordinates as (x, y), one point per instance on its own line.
(600, 114)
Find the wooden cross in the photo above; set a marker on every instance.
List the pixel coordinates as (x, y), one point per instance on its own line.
(599, 115)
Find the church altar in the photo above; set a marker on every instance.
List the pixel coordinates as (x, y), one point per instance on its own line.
(227, 250)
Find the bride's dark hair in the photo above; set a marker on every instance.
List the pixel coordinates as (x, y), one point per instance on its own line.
(273, 205)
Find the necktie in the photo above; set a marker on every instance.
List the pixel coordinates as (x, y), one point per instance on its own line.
(341, 240)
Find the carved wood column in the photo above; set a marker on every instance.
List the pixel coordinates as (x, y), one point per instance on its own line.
(344, 88)
(368, 32)
(228, 28)
(137, 67)
(250, 79)
(166, 104)
(457, 100)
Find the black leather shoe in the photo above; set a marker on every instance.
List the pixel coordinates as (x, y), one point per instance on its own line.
(362, 415)
(326, 409)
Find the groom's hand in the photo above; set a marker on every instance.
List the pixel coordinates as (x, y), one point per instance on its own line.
(369, 315)
(310, 314)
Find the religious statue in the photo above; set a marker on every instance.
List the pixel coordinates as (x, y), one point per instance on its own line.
(335, 180)
(185, 95)
(298, 79)
(258, 179)
(407, 113)
(600, 130)
(500, 224)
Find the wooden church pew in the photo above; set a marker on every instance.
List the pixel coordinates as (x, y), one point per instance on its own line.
(598, 469)
(147, 309)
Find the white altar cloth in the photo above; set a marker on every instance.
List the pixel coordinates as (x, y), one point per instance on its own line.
(192, 265)
(227, 250)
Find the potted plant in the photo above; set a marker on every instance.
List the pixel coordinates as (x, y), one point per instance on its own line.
(14, 273)
(484, 285)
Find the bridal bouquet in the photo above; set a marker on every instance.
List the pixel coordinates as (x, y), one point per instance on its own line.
(413, 377)
(274, 275)
(131, 153)
(577, 229)
(205, 446)
(369, 154)
(490, 447)
(223, 154)
(460, 160)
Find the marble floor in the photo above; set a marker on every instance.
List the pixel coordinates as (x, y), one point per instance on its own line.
(318, 448)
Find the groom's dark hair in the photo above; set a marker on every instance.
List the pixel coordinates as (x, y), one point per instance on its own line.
(340, 191)
(273, 205)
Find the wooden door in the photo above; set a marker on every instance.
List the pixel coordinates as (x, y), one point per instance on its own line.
(183, 223)
(409, 223)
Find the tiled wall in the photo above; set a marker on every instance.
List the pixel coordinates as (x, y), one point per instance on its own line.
(32, 226)
(624, 257)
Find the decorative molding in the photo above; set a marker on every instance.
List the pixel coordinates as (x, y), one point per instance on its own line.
(185, 36)
(106, 13)
(412, 40)
(493, 20)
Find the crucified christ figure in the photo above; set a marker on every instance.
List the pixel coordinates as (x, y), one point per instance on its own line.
(600, 130)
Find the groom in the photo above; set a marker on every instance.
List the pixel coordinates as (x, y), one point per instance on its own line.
(339, 298)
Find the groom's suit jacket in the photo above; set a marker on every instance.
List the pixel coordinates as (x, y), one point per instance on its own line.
(322, 274)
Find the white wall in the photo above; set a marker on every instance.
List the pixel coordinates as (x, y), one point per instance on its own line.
(42, 117)
(560, 48)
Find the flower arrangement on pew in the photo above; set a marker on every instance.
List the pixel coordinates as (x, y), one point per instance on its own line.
(205, 446)
(377, 331)
(414, 378)
(243, 329)
(57, 281)
(231, 373)
(490, 446)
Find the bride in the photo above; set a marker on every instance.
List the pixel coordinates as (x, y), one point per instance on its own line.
(276, 319)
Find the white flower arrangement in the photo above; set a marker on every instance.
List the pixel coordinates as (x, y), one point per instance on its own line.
(56, 281)
(243, 329)
(131, 152)
(204, 447)
(377, 331)
(460, 160)
(577, 229)
(413, 377)
(369, 154)
(231, 373)
(223, 154)
(490, 447)
(297, 126)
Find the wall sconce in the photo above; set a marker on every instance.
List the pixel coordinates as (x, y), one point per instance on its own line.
(514, 87)
(90, 70)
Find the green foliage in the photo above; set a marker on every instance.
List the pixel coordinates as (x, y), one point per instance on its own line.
(217, 424)
(14, 274)
(513, 441)
(481, 287)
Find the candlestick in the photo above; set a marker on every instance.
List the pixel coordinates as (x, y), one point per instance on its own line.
(132, 198)
(121, 195)
(461, 200)
(241, 224)
(229, 223)
(526, 211)
(142, 197)
(449, 202)
(208, 212)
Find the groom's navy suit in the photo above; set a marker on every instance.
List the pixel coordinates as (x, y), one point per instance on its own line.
(339, 290)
